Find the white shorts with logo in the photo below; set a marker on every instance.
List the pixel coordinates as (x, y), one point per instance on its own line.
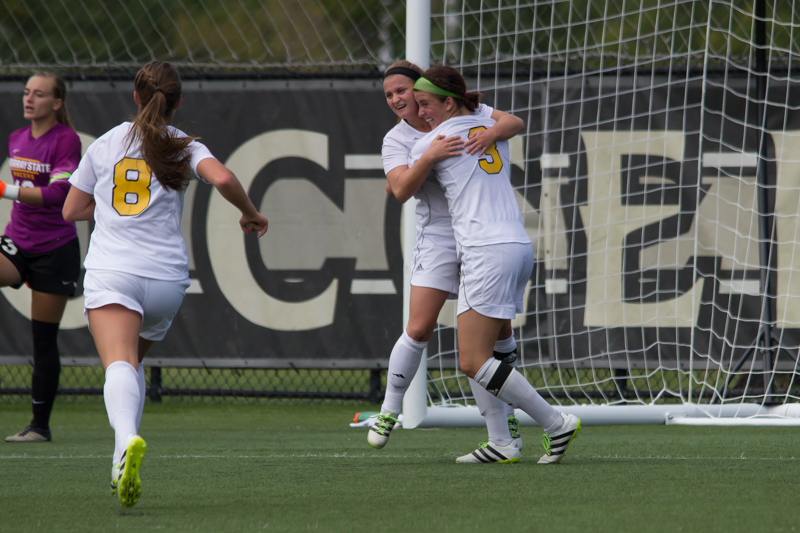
(156, 300)
(435, 263)
(493, 279)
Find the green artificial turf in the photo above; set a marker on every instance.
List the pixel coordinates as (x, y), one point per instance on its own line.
(302, 468)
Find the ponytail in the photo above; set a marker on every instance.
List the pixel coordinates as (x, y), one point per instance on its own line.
(159, 88)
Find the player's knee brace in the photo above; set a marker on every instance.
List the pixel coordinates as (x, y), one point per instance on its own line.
(494, 375)
(507, 358)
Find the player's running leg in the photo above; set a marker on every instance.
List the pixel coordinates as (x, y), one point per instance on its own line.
(500, 447)
(503, 381)
(510, 386)
(505, 350)
(403, 364)
(121, 394)
(501, 422)
(116, 334)
(424, 306)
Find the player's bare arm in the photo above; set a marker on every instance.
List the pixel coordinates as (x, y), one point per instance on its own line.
(507, 126)
(405, 181)
(229, 187)
(79, 205)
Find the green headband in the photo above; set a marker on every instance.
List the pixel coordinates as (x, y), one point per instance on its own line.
(423, 84)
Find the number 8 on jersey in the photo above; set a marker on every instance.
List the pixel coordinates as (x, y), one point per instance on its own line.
(131, 186)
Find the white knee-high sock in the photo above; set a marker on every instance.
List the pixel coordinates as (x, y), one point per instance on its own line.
(142, 395)
(507, 346)
(121, 394)
(403, 365)
(493, 410)
(510, 386)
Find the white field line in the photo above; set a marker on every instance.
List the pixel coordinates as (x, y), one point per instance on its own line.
(676, 458)
(396, 456)
(265, 456)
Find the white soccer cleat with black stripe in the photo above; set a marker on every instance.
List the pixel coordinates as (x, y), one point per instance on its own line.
(555, 446)
(491, 453)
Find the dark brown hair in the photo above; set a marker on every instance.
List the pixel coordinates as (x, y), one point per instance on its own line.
(159, 89)
(404, 64)
(450, 79)
(60, 93)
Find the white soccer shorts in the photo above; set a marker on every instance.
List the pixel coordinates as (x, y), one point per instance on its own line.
(435, 263)
(156, 300)
(493, 279)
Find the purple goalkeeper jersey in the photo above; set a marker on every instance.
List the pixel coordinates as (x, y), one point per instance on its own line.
(45, 162)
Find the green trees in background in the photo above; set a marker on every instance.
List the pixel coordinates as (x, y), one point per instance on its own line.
(594, 34)
(363, 34)
(206, 33)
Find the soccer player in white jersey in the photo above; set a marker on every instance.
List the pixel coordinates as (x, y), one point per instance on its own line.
(435, 265)
(131, 182)
(496, 252)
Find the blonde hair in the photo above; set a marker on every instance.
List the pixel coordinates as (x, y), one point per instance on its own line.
(60, 93)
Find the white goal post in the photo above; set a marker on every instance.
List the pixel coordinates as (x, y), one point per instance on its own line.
(659, 179)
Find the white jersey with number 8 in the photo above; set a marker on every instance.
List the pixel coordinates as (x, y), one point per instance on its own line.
(137, 221)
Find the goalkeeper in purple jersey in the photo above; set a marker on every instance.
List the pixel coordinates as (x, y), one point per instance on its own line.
(38, 247)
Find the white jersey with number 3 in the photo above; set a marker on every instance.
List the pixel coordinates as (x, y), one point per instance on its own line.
(433, 216)
(482, 203)
(137, 221)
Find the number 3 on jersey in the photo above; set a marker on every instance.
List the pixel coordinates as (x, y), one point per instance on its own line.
(496, 165)
(131, 186)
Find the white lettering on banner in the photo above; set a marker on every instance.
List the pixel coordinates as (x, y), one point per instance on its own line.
(725, 226)
(607, 221)
(226, 245)
(20, 299)
(299, 212)
(787, 226)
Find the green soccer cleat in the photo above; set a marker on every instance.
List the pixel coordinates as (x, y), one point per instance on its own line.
(491, 453)
(129, 486)
(555, 446)
(380, 431)
(513, 428)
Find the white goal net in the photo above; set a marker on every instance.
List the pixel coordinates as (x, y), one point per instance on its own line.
(659, 178)
(260, 37)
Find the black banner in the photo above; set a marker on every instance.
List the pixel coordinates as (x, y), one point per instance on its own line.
(640, 197)
(323, 288)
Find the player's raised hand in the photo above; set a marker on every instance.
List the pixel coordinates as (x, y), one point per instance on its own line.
(257, 223)
(442, 148)
(480, 141)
